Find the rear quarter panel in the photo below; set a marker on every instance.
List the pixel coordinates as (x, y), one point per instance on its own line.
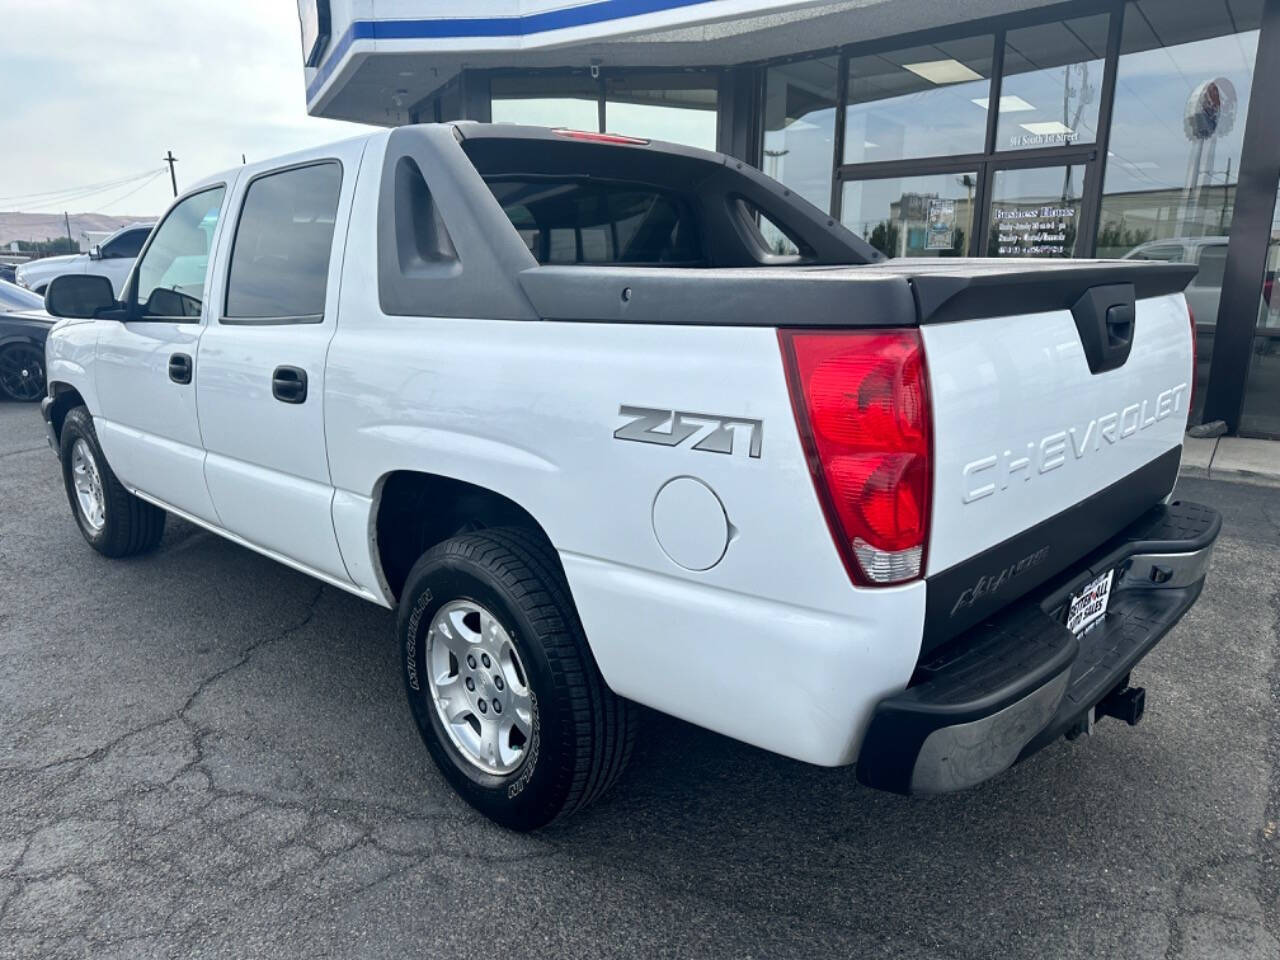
(772, 645)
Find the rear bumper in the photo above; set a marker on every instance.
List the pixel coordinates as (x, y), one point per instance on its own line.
(1020, 679)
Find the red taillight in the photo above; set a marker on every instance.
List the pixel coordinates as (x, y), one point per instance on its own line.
(861, 402)
(600, 137)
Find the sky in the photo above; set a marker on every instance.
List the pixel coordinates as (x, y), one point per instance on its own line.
(94, 92)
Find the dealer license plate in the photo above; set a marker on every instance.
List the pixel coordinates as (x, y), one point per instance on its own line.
(1090, 604)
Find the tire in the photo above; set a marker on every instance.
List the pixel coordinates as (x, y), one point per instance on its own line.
(22, 372)
(127, 525)
(580, 733)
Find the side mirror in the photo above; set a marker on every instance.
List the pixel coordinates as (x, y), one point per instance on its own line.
(80, 295)
(95, 252)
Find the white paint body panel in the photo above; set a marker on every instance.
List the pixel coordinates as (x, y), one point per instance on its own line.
(1010, 389)
(771, 643)
(268, 467)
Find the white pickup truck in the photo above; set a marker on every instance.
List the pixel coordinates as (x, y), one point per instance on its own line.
(113, 259)
(554, 398)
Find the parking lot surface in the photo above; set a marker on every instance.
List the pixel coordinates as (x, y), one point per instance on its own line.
(205, 754)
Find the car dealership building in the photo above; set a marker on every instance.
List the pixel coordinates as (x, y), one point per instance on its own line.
(1113, 128)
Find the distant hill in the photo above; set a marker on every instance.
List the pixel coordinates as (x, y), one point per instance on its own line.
(44, 226)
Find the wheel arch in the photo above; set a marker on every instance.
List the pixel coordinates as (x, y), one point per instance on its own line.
(413, 510)
(65, 398)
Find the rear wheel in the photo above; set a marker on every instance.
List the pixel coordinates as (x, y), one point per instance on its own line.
(502, 684)
(22, 372)
(114, 521)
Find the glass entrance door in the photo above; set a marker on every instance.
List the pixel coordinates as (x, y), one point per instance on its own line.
(1036, 211)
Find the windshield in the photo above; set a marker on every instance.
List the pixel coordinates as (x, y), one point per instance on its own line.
(13, 297)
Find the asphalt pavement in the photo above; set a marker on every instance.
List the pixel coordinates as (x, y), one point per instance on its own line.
(205, 754)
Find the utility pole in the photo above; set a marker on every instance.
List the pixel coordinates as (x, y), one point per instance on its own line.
(170, 159)
(71, 244)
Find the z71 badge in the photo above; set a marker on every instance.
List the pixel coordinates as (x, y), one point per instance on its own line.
(670, 428)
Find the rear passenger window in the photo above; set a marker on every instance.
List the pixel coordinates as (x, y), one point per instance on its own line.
(571, 221)
(127, 245)
(280, 258)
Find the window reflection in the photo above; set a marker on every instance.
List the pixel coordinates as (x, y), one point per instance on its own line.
(677, 107)
(1261, 415)
(549, 100)
(799, 126)
(929, 216)
(919, 102)
(1052, 77)
(1178, 124)
(1035, 212)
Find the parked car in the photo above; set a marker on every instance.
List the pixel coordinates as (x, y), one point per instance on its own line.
(553, 397)
(24, 326)
(14, 297)
(113, 259)
(1209, 254)
(8, 272)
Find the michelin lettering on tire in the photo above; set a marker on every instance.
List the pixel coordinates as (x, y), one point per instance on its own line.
(526, 772)
(411, 644)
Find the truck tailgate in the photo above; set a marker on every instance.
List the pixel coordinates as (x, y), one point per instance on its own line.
(1040, 451)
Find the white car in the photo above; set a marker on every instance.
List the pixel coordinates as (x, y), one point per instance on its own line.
(113, 259)
(552, 397)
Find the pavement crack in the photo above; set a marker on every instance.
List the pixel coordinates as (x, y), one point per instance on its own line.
(247, 654)
(14, 453)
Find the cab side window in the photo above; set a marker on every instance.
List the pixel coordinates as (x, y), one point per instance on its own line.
(280, 257)
(127, 245)
(172, 273)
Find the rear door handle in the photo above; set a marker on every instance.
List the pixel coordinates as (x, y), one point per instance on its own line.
(289, 384)
(180, 368)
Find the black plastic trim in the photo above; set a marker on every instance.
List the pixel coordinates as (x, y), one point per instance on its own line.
(1063, 539)
(1025, 646)
(974, 289)
(728, 296)
(1105, 317)
(478, 255)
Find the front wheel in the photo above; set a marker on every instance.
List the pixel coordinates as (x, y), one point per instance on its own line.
(502, 684)
(114, 521)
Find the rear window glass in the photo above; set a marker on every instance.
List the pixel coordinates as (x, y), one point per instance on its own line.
(280, 258)
(576, 221)
(1213, 265)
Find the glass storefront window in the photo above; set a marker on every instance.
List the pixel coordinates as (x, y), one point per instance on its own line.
(929, 216)
(569, 100)
(1261, 414)
(1182, 93)
(680, 108)
(919, 102)
(1052, 78)
(799, 126)
(1035, 212)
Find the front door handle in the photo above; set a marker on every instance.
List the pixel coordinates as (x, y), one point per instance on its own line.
(289, 384)
(180, 368)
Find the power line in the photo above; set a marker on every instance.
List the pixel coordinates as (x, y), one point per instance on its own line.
(84, 194)
(146, 183)
(45, 195)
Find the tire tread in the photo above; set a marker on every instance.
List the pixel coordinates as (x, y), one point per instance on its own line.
(604, 723)
(133, 525)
